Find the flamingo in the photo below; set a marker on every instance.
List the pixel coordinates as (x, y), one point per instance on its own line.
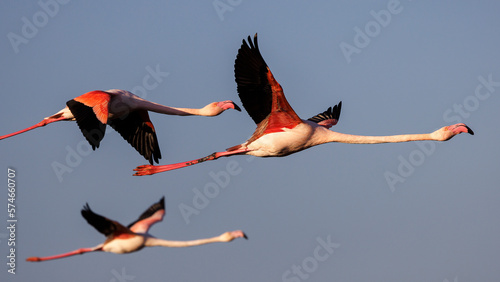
(134, 237)
(280, 131)
(127, 114)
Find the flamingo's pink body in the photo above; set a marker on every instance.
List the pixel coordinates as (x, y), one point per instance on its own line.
(126, 113)
(122, 240)
(280, 131)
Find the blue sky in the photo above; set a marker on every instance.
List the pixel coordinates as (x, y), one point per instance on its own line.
(336, 212)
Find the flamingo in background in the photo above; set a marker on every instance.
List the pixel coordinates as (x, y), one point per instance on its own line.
(280, 131)
(127, 114)
(122, 240)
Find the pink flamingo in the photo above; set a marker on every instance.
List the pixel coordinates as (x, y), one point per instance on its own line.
(127, 114)
(280, 132)
(122, 240)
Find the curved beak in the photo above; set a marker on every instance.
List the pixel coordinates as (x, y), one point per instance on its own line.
(229, 105)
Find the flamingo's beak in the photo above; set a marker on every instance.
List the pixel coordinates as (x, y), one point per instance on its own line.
(239, 234)
(462, 128)
(229, 105)
(236, 107)
(469, 130)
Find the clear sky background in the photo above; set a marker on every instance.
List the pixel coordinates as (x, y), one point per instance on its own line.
(434, 219)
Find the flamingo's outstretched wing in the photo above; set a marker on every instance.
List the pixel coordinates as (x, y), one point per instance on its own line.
(137, 129)
(329, 117)
(151, 216)
(109, 228)
(91, 114)
(259, 92)
(250, 72)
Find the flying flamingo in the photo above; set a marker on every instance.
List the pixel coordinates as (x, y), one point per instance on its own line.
(122, 240)
(127, 114)
(280, 132)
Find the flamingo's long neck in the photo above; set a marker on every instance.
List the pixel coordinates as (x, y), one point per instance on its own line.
(162, 109)
(158, 108)
(360, 139)
(151, 242)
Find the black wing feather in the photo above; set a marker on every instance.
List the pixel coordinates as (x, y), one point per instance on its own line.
(250, 72)
(100, 223)
(331, 113)
(160, 205)
(141, 136)
(91, 127)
